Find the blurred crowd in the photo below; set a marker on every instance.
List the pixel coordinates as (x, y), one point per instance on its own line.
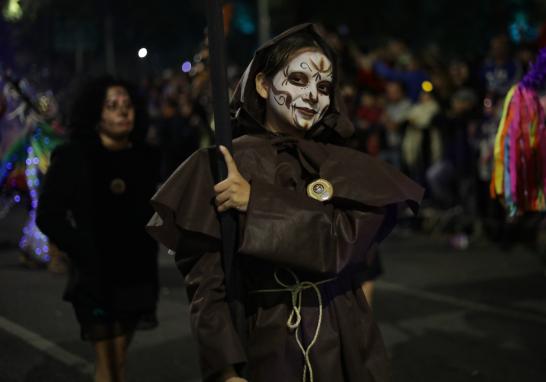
(431, 115)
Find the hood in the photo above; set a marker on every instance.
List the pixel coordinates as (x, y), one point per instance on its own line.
(248, 109)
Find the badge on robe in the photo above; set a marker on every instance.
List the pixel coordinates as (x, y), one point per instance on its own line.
(320, 189)
(118, 186)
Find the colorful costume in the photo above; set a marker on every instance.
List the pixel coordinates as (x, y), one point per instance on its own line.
(27, 137)
(519, 169)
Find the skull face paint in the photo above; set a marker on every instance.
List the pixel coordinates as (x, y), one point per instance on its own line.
(300, 92)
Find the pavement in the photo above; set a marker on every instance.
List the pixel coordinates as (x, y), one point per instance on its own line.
(446, 316)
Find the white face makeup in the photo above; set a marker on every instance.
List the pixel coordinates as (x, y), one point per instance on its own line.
(300, 92)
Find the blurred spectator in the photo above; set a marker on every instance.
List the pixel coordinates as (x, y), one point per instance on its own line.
(369, 110)
(397, 107)
(421, 144)
(499, 71)
(452, 179)
(441, 83)
(489, 211)
(180, 132)
(459, 74)
(410, 74)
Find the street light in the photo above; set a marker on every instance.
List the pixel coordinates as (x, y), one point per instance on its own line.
(142, 52)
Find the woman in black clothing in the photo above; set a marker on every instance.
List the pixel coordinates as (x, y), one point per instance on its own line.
(94, 205)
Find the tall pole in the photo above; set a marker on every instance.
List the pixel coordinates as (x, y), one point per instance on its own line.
(264, 21)
(223, 135)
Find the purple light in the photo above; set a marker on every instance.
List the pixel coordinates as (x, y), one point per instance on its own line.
(36, 161)
(186, 66)
(17, 198)
(9, 166)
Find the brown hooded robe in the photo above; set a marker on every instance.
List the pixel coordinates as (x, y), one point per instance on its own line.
(286, 234)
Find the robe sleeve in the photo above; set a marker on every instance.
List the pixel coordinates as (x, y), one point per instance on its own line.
(199, 261)
(289, 228)
(186, 221)
(186, 202)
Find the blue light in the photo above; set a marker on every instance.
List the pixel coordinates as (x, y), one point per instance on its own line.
(36, 161)
(186, 66)
(243, 19)
(9, 166)
(38, 251)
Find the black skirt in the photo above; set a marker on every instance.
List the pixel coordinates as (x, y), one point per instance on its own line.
(97, 324)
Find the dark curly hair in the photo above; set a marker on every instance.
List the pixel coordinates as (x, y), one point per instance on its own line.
(86, 110)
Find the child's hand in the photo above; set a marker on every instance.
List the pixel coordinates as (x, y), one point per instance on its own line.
(234, 191)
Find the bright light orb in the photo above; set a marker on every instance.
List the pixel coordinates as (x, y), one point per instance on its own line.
(427, 86)
(13, 11)
(142, 52)
(186, 66)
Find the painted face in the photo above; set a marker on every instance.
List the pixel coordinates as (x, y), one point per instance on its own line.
(118, 114)
(300, 92)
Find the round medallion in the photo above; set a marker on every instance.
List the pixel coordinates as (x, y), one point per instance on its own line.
(321, 190)
(118, 186)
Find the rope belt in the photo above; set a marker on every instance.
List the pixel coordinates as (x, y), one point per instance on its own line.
(294, 319)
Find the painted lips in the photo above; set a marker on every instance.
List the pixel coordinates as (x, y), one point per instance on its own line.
(307, 112)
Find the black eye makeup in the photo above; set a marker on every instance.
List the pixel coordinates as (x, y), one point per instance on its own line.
(298, 79)
(325, 87)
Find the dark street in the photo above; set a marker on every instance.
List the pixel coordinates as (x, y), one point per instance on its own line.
(451, 316)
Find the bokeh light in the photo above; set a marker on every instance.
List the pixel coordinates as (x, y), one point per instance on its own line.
(427, 86)
(142, 52)
(13, 11)
(186, 66)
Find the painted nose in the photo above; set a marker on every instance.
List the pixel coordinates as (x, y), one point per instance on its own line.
(313, 95)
